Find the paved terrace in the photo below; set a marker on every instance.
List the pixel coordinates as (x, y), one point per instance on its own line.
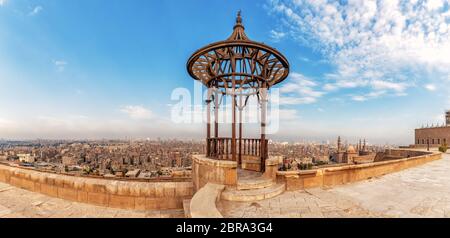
(422, 191)
(19, 203)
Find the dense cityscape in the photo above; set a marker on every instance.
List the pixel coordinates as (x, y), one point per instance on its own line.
(147, 159)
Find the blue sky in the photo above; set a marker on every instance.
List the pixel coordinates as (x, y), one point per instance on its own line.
(106, 69)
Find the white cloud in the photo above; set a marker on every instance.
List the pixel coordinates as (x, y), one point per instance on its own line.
(385, 44)
(60, 65)
(2, 2)
(359, 98)
(297, 100)
(36, 10)
(299, 90)
(137, 112)
(289, 114)
(277, 35)
(430, 87)
(367, 96)
(379, 85)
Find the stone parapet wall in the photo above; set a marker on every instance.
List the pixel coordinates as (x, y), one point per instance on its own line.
(332, 176)
(250, 162)
(103, 192)
(205, 170)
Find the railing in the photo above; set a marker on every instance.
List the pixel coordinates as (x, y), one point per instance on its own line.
(221, 148)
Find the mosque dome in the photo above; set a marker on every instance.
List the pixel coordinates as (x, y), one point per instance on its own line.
(351, 149)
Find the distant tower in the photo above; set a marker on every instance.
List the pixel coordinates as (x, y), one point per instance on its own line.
(447, 118)
(364, 145)
(339, 144)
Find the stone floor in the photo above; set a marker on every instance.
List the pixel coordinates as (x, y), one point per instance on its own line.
(16, 202)
(422, 191)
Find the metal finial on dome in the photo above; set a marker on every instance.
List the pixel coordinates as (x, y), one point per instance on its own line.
(239, 18)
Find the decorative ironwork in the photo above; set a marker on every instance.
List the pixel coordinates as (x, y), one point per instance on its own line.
(237, 67)
(238, 63)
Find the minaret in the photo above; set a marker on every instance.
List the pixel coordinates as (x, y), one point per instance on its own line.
(364, 145)
(339, 144)
(447, 118)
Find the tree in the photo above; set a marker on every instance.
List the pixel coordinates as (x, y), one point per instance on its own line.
(443, 148)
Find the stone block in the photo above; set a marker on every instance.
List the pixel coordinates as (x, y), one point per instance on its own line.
(139, 203)
(37, 187)
(93, 186)
(152, 203)
(98, 198)
(159, 190)
(82, 196)
(169, 190)
(148, 190)
(112, 187)
(68, 194)
(171, 203)
(78, 184)
(123, 189)
(68, 182)
(59, 182)
(15, 181)
(4, 176)
(183, 189)
(135, 189)
(49, 190)
(34, 177)
(124, 202)
(27, 184)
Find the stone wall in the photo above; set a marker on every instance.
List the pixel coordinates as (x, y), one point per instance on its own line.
(435, 135)
(252, 163)
(205, 170)
(332, 176)
(103, 192)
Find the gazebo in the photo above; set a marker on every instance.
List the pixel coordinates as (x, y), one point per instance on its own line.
(238, 68)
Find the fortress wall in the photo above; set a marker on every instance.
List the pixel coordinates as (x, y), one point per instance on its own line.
(332, 176)
(103, 192)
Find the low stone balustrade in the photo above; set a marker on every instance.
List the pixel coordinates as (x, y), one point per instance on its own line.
(103, 192)
(342, 174)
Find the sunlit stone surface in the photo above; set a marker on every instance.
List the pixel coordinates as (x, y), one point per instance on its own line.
(16, 202)
(417, 192)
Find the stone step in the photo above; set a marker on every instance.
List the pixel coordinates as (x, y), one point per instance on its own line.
(254, 183)
(203, 203)
(233, 194)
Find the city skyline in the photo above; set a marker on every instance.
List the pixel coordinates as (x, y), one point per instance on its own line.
(90, 70)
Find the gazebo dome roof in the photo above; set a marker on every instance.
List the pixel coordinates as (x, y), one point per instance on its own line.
(238, 63)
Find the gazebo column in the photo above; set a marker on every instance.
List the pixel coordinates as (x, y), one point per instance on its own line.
(216, 121)
(263, 146)
(233, 128)
(208, 123)
(240, 130)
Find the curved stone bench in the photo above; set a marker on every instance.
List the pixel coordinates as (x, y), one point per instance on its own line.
(203, 204)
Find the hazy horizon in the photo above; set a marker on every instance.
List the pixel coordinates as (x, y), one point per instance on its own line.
(86, 69)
